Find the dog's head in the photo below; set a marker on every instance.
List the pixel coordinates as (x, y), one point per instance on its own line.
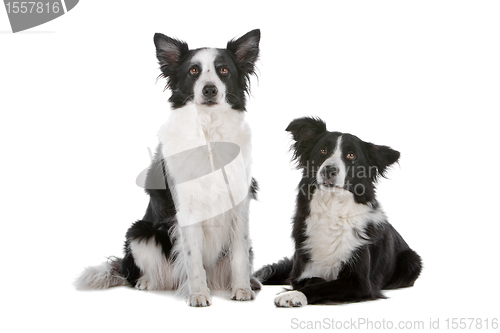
(208, 76)
(339, 160)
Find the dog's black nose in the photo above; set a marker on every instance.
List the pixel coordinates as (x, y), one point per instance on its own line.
(209, 91)
(330, 171)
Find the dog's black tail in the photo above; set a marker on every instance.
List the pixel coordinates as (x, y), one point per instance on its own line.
(278, 273)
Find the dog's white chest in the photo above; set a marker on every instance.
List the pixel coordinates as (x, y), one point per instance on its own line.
(207, 154)
(190, 127)
(332, 230)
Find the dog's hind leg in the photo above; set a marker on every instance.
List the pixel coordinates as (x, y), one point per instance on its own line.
(157, 272)
(146, 264)
(406, 271)
(128, 268)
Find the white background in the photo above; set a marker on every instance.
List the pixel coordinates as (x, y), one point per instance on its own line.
(80, 105)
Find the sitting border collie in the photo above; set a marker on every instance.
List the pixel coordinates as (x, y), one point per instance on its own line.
(345, 250)
(194, 235)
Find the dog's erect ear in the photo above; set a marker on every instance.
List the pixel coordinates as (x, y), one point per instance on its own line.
(382, 157)
(246, 49)
(169, 51)
(304, 131)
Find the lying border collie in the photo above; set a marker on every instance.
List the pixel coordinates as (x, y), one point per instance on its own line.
(194, 235)
(345, 250)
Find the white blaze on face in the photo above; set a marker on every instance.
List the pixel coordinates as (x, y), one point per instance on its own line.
(335, 160)
(208, 76)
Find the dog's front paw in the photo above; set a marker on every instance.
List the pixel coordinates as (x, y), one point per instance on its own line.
(290, 299)
(242, 294)
(199, 299)
(142, 284)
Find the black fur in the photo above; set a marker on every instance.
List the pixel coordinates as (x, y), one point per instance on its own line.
(384, 262)
(278, 273)
(254, 188)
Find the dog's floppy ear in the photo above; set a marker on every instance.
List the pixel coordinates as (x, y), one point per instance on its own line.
(246, 50)
(169, 52)
(382, 157)
(304, 131)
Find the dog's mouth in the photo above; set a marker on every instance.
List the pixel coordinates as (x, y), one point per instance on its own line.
(209, 102)
(329, 184)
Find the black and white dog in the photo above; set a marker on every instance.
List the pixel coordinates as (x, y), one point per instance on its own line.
(194, 235)
(345, 249)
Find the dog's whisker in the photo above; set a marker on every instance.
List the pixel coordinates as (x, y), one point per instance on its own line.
(231, 94)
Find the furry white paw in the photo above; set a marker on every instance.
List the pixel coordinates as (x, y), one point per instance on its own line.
(199, 300)
(243, 294)
(290, 299)
(142, 284)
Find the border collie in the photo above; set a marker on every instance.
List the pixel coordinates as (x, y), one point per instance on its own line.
(194, 235)
(345, 249)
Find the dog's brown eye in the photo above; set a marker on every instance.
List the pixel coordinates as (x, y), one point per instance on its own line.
(193, 71)
(223, 70)
(351, 156)
(323, 151)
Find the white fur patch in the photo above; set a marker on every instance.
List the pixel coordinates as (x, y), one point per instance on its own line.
(332, 230)
(157, 272)
(336, 160)
(289, 299)
(243, 294)
(205, 59)
(199, 300)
